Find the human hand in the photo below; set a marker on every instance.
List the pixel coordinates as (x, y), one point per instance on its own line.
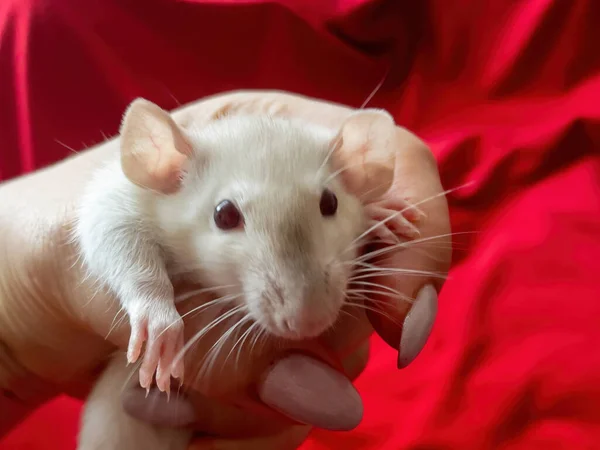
(54, 325)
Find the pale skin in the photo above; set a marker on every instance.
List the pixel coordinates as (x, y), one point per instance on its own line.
(53, 323)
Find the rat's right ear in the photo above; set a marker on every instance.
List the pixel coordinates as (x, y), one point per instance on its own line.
(154, 149)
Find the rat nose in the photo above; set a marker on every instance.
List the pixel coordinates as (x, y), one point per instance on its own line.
(306, 326)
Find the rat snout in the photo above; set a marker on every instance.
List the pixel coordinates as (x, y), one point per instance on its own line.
(304, 326)
(293, 319)
(298, 302)
(303, 313)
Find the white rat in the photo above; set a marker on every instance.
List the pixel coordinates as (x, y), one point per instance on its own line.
(270, 208)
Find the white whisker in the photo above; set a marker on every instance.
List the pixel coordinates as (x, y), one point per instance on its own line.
(377, 311)
(343, 169)
(329, 153)
(246, 318)
(377, 88)
(206, 329)
(374, 273)
(385, 294)
(386, 288)
(203, 306)
(392, 248)
(243, 341)
(186, 295)
(412, 206)
(213, 352)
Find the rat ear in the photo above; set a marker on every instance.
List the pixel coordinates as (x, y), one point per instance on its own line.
(362, 153)
(153, 148)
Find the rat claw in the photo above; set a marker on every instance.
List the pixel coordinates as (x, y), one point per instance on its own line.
(409, 211)
(406, 228)
(136, 341)
(167, 390)
(387, 220)
(177, 369)
(133, 352)
(416, 214)
(177, 365)
(385, 234)
(163, 334)
(163, 379)
(145, 380)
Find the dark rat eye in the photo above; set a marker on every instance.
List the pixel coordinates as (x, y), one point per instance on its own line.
(227, 216)
(328, 203)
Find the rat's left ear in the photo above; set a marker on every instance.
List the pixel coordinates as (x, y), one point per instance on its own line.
(154, 149)
(362, 153)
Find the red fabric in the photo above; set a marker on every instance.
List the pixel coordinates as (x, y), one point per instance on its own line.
(506, 93)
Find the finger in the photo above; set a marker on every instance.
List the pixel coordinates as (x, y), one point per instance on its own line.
(356, 362)
(299, 387)
(155, 409)
(415, 263)
(272, 103)
(311, 392)
(205, 415)
(417, 325)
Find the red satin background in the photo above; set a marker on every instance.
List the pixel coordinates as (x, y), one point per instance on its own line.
(507, 93)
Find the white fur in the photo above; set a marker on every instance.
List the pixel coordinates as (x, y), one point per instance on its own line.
(271, 169)
(119, 239)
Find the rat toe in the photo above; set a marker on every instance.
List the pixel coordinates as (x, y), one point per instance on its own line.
(406, 228)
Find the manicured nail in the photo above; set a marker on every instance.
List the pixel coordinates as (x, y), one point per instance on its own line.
(158, 409)
(311, 392)
(417, 325)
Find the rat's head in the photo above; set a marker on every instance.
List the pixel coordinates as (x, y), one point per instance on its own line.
(272, 211)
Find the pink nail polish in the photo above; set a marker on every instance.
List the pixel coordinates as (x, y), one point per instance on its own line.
(417, 326)
(153, 407)
(311, 392)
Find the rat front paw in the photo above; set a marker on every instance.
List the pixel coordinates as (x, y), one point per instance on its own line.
(162, 330)
(390, 218)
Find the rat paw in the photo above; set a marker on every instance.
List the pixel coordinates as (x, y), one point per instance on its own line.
(391, 218)
(162, 330)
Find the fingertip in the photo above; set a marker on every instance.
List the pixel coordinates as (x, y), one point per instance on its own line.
(411, 331)
(418, 325)
(311, 392)
(152, 406)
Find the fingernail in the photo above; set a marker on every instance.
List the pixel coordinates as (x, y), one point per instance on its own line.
(417, 325)
(157, 408)
(310, 392)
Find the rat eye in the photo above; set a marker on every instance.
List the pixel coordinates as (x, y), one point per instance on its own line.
(227, 216)
(328, 203)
